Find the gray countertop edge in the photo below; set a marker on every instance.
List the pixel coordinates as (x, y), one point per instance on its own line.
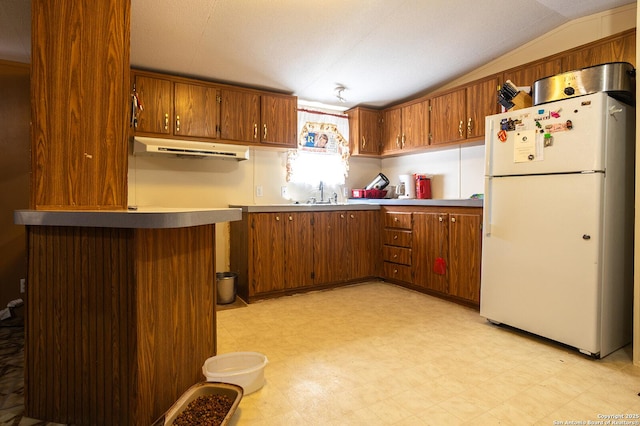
(357, 204)
(142, 218)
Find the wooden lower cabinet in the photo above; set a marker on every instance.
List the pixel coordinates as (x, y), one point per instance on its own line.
(281, 253)
(288, 252)
(450, 233)
(431, 242)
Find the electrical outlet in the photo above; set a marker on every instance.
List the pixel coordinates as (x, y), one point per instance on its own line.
(259, 191)
(283, 192)
(22, 285)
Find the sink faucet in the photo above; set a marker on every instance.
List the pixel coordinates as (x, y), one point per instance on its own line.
(321, 188)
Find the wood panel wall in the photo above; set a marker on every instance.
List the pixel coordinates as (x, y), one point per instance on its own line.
(119, 321)
(14, 176)
(80, 93)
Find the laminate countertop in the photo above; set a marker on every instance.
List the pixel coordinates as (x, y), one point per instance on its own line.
(358, 204)
(142, 217)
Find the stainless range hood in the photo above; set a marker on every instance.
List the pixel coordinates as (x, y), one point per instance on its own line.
(179, 147)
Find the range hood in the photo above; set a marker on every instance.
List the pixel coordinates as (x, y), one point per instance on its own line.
(179, 147)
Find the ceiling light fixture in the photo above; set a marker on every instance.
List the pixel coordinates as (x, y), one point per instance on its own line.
(339, 91)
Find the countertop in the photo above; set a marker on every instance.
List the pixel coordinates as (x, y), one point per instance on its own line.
(358, 204)
(143, 217)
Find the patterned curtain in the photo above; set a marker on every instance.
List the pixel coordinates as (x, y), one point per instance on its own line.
(323, 149)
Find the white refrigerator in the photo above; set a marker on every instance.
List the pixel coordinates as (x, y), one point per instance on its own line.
(557, 255)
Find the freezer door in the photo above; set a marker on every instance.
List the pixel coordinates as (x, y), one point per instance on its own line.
(576, 130)
(541, 256)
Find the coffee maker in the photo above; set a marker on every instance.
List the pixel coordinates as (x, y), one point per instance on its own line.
(407, 187)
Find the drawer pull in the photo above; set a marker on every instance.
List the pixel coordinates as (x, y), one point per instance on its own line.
(395, 237)
(395, 219)
(395, 256)
(395, 271)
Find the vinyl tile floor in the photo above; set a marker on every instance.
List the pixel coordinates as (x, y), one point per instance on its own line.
(378, 354)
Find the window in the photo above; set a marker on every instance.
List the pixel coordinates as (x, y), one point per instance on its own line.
(323, 149)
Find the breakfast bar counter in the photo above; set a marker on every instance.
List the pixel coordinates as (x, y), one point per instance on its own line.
(120, 311)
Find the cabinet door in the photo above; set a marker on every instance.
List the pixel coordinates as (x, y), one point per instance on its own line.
(279, 118)
(448, 117)
(239, 116)
(526, 75)
(415, 125)
(155, 95)
(298, 249)
(196, 110)
(362, 244)
(330, 247)
(465, 245)
(365, 131)
(619, 49)
(430, 241)
(482, 100)
(391, 130)
(267, 250)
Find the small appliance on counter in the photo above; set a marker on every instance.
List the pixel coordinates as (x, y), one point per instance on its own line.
(423, 186)
(375, 189)
(380, 182)
(407, 187)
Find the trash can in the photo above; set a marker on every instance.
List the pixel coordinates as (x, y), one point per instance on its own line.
(226, 287)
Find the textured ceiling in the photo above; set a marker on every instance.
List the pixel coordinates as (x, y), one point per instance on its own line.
(379, 50)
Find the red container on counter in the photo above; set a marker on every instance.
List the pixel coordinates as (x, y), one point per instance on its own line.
(368, 193)
(423, 186)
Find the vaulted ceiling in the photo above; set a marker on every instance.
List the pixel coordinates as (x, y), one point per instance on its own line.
(379, 50)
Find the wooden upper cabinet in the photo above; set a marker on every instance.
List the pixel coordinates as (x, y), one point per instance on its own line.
(156, 98)
(365, 131)
(482, 100)
(448, 117)
(391, 130)
(415, 125)
(619, 48)
(458, 115)
(405, 127)
(239, 115)
(196, 110)
(279, 119)
(527, 74)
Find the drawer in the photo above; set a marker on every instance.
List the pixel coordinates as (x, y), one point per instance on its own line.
(397, 255)
(398, 272)
(401, 220)
(397, 238)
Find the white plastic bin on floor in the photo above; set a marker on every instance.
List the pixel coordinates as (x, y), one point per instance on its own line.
(226, 287)
(244, 369)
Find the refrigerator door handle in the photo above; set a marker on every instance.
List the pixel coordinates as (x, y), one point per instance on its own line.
(488, 200)
(488, 145)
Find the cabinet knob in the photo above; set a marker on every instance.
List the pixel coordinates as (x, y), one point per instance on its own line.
(453, 219)
(395, 271)
(277, 217)
(395, 237)
(440, 218)
(395, 219)
(290, 218)
(395, 256)
(352, 216)
(341, 215)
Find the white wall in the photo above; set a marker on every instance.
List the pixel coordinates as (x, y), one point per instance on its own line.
(456, 172)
